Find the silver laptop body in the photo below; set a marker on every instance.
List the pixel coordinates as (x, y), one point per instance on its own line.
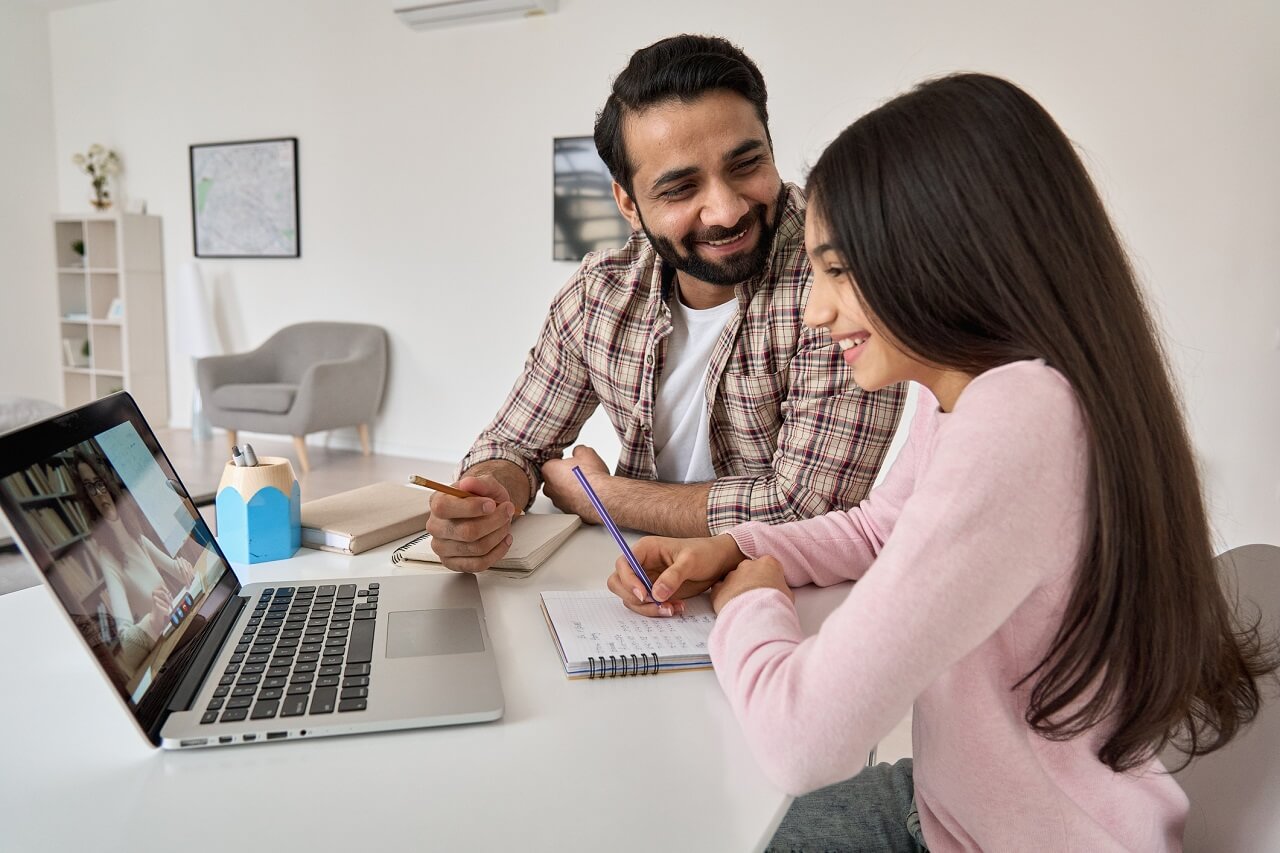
(195, 658)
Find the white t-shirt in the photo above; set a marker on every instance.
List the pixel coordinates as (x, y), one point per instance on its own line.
(682, 449)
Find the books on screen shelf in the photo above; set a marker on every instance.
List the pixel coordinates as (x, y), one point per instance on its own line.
(534, 538)
(40, 481)
(598, 637)
(54, 529)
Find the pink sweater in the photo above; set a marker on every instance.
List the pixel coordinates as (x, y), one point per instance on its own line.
(965, 557)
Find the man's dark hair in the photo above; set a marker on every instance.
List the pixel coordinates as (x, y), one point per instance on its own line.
(683, 68)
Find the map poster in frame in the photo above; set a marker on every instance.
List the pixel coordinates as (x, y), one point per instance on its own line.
(244, 199)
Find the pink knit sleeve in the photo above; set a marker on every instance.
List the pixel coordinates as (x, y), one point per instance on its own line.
(805, 548)
(996, 511)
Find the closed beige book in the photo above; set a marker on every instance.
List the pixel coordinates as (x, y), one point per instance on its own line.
(364, 518)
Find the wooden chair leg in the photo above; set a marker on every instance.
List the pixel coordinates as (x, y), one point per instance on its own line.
(300, 447)
(232, 435)
(364, 438)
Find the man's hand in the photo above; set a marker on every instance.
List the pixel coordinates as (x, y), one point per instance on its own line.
(471, 534)
(764, 573)
(563, 488)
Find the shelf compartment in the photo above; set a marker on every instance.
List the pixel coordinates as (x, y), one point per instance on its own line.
(74, 338)
(100, 244)
(106, 352)
(72, 296)
(67, 233)
(104, 288)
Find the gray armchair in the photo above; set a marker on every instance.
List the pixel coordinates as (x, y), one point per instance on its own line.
(305, 378)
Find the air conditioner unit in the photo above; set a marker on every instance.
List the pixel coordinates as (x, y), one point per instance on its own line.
(429, 14)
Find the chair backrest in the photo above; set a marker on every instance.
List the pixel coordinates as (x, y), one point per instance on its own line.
(1235, 791)
(297, 347)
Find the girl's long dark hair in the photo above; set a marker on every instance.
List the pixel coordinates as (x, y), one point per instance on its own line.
(976, 238)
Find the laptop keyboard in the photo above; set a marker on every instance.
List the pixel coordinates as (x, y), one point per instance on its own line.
(305, 651)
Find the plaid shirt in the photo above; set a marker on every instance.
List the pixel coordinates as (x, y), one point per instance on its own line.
(792, 436)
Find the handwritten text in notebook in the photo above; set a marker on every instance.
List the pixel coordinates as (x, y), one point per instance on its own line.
(596, 625)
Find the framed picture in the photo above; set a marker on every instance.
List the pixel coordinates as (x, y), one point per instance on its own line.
(586, 218)
(244, 199)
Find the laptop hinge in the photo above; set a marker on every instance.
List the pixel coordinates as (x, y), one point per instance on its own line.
(222, 626)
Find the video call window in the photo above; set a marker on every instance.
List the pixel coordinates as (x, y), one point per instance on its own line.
(586, 216)
(119, 547)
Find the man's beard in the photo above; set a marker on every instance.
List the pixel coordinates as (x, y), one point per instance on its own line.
(747, 264)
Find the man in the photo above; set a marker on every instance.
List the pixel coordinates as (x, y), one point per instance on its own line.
(690, 336)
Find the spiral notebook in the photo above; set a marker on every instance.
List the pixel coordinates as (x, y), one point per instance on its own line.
(534, 537)
(598, 637)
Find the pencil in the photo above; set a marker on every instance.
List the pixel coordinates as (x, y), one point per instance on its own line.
(448, 490)
(438, 487)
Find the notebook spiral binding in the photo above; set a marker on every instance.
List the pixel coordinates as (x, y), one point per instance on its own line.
(622, 665)
(397, 556)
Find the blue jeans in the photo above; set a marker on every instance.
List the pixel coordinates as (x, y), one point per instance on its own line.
(874, 810)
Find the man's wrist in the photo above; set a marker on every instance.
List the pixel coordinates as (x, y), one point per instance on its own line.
(509, 474)
(650, 506)
(606, 487)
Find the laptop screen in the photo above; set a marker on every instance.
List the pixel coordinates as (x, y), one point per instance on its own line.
(119, 543)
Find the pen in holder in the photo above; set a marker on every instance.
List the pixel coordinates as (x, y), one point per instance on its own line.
(259, 511)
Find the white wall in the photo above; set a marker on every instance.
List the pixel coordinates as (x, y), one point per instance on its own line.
(30, 351)
(425, 167)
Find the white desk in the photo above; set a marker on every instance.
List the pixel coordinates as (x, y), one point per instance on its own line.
(574, 765)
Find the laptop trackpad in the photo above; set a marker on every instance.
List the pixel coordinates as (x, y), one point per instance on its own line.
(416, 633)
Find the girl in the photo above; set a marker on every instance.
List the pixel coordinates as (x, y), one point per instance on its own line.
(1035, 574)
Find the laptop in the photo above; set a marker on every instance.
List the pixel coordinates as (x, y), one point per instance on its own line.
(199, 659)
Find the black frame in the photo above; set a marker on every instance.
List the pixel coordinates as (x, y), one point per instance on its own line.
(297, 221)
(568, 192)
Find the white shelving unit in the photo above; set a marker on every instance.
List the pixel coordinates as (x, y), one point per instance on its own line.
(111, 307)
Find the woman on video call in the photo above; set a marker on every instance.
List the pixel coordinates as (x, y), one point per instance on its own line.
(141, 579)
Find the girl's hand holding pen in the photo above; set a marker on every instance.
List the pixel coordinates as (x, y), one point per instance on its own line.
(680, 568)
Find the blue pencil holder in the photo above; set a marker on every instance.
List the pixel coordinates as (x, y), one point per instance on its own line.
(259, 511)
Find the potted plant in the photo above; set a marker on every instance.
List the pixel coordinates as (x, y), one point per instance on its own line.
(98, 163)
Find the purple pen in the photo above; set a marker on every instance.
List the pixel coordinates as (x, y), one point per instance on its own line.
(613, 528)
